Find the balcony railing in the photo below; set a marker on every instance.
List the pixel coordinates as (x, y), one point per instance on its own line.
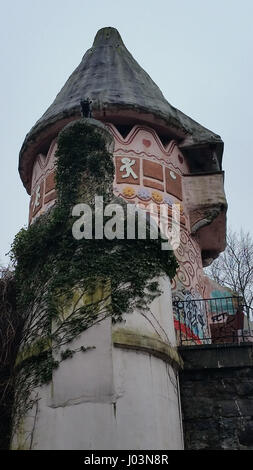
(212, 321)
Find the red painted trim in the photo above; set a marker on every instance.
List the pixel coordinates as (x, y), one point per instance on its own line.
(133, 133)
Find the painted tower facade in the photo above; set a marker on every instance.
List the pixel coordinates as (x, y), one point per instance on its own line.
(123, 394)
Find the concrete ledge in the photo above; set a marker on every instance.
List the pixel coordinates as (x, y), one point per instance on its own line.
(218, 356)
(128, 339)
(121, 338)
(34, 349)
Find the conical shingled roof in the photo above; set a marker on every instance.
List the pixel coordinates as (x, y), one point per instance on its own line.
(121, 92)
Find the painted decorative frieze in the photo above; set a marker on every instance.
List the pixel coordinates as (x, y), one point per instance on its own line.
(43, 194)
(147, 171)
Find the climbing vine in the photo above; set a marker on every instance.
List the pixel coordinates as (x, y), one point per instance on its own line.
(64, 285)
(10, 327)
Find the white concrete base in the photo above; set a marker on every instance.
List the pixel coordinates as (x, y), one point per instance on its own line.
(110, 397)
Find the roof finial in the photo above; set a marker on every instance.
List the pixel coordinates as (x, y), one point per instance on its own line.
(108, 37)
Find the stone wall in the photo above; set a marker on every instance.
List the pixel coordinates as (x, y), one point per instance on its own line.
(217, 397)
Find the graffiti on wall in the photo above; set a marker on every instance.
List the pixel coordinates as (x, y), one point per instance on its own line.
(190, 317)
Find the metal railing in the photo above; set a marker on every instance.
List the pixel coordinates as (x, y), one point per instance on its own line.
(212, 321)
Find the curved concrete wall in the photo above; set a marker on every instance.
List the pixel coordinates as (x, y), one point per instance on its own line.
(123, 394)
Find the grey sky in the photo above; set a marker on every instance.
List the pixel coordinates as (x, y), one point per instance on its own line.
(199, 52)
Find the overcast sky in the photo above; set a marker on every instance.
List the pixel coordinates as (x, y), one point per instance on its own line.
(199, 52)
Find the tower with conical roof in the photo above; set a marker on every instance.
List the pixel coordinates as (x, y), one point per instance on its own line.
(115, 384)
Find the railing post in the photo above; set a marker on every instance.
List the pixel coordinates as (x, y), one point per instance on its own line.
(180, 331)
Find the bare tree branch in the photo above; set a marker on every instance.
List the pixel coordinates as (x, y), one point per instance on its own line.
(234, 267)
